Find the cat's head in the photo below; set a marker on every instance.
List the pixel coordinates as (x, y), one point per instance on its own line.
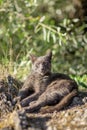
(42, 64)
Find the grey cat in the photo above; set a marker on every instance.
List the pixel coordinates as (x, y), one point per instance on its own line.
(44, 88)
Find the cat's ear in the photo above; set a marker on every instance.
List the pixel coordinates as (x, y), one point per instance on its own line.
(32, 58)
(49, 54)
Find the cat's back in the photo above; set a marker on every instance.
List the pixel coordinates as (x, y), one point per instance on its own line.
(62, 84)
(59, 76)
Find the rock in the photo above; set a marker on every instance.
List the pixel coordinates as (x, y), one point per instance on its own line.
(84, 100)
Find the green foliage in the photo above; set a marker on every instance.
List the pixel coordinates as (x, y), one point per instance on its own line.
(81, 81)
(32, 27)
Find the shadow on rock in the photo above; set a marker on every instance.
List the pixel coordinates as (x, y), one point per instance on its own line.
(38, 122)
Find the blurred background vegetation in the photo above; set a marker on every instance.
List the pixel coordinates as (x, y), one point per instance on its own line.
(35, 26)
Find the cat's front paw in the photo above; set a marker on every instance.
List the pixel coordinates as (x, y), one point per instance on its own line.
(16, 100)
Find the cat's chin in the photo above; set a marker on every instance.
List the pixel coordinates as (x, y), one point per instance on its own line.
(39, 73)
(43, 74)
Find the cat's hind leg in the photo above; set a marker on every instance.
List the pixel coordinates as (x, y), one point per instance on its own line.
(63, 103)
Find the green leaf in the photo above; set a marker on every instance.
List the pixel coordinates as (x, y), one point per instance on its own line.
(44, 34)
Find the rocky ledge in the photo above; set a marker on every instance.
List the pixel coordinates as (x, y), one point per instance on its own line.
(74, 117)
